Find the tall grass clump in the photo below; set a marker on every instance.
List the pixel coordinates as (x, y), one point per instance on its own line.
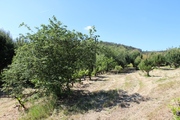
(40, 110)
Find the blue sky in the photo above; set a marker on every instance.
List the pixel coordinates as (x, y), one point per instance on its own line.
(145, 24)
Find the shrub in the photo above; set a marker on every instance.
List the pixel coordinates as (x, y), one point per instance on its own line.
(146, 65)
(118, 68)
(136, 62)
(40, 110)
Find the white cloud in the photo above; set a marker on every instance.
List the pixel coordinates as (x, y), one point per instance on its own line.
(88, 28)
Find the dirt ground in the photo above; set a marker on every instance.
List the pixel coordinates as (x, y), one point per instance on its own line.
(160, 89)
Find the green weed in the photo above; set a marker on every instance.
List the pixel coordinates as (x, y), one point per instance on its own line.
(175, 108)
(41, 110)
(141, 85)
(166, 86)
(161, 79)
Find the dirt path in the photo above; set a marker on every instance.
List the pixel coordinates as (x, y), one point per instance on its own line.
(161, 88)
(8, 109)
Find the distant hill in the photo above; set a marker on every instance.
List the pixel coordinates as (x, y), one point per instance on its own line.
(146, 52)
(120, 45)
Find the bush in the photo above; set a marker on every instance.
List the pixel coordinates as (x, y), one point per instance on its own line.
(137, 62)
(172, 57)
(146, 65)
(41, 110)
(118, 68)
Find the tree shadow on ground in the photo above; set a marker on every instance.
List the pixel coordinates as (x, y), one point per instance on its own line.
(83, 101)
(98, 78)
(155, 76)
(163, 68)
(3, 95)
(127, 70)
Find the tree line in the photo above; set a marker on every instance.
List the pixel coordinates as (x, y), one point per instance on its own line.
(52, 59)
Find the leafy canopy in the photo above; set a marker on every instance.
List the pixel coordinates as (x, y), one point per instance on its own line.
(49, 60)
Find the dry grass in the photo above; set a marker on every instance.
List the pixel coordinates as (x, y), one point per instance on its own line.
(99, 99)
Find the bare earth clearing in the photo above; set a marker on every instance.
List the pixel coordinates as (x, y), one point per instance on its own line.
(137, 97)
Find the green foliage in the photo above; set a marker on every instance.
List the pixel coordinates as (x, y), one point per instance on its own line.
(20, 42)
(122, 58)
(133, 55)
(88, 53)
(16, 77)
(175, 108)
(80, 74)
(137, 62)
(119, 54)
(146, 65)
(172, 57)
(104, 64)
(118, 68)
(158, 59)
(6, 49)
(122, 55)
(50, 60)
(41, 110)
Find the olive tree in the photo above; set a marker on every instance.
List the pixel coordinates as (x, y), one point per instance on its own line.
(134, 57)
(146, 65)
(172, 57)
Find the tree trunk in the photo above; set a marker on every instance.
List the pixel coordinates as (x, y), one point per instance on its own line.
(21, 103)
(89, 74)
(148, 73)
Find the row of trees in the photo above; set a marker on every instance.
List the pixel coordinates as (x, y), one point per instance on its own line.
(6, 49)
(119, 55)
(52, 59)
(152, 60)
